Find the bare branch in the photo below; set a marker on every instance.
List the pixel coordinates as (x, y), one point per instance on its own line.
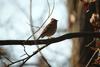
(52, 40)
(27, 58)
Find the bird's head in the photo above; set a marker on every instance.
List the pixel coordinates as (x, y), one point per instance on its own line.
(54, 20)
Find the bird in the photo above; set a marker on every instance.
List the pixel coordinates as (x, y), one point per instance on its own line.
(50, 29)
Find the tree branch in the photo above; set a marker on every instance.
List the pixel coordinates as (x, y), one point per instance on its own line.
(52, 40)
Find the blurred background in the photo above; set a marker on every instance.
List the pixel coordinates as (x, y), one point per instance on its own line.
(15, 25)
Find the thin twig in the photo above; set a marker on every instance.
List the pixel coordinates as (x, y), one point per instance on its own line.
(92, 57)
(25, 50)
(43, 57)
(7, 59)
(24, 59)
(31, 25)
(30, 19)
(33, 55)
(48, 6)
(90, 43)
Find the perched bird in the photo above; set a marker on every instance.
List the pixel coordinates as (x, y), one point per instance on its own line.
(50, 29)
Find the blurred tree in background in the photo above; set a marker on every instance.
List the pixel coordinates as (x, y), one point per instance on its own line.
(82, 19)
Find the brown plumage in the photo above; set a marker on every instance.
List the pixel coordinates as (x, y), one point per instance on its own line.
(50, 29)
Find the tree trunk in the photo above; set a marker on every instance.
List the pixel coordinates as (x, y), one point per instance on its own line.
(80, 53)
